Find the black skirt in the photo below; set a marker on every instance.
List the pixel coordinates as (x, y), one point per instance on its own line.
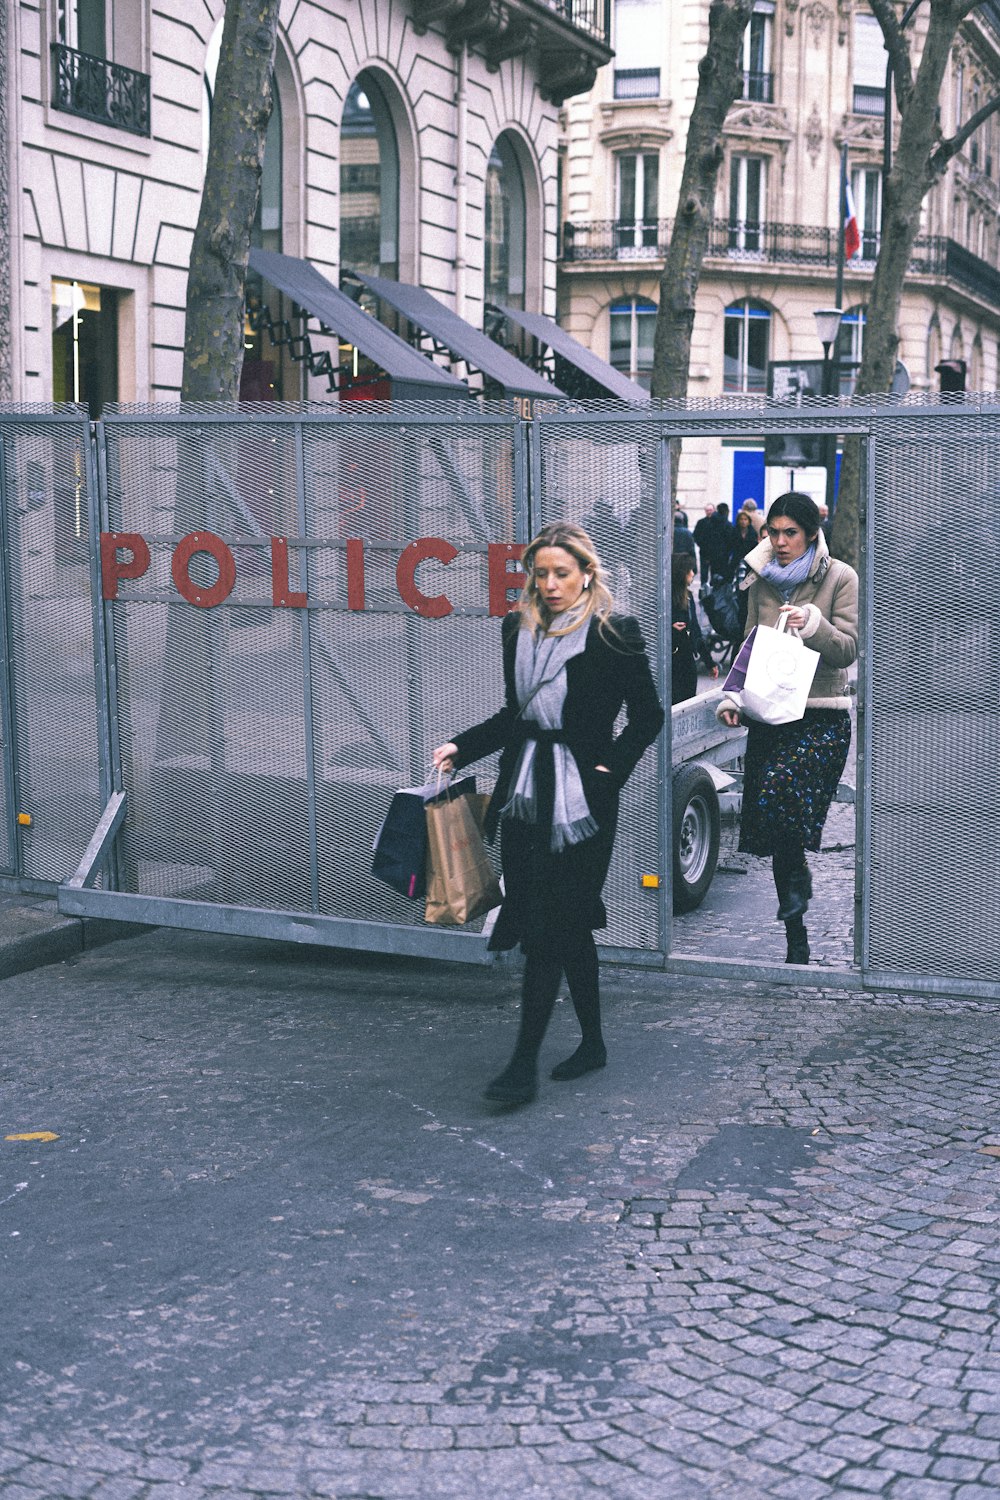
(550, 898)
(790, 775)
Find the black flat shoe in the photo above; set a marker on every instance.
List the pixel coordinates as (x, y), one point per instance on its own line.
(584, 1060)
(517, 1084)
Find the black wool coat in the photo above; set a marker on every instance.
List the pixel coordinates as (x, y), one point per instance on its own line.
(548, 896)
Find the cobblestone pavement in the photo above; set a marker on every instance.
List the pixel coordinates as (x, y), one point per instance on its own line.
(737, 917)
(279, 1246)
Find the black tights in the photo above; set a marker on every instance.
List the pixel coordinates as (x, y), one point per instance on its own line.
(784, 862)
(541, 986)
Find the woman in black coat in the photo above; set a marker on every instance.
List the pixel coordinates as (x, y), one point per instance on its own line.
(569, 666)
(688, 644)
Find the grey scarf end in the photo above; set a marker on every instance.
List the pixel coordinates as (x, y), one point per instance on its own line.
(574, 833)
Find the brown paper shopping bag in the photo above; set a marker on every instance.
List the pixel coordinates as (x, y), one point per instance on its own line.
(461, 884)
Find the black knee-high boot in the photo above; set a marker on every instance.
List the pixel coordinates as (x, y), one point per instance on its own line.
(792, 881)
(584, 986)
(518, 1083)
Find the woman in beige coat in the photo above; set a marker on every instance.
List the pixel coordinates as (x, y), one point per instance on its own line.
(791, 771)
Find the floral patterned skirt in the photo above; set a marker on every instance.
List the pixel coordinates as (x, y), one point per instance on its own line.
(790, 775)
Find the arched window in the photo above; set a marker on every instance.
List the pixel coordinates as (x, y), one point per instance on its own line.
(633, 328)
(850, 347)
(369, 182)
(747, 339)
(504, 226)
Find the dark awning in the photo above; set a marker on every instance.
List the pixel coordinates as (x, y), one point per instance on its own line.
(461, 339)
(584, 374)
(412, 373)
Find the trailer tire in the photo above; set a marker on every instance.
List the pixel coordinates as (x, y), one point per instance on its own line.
(695, 836)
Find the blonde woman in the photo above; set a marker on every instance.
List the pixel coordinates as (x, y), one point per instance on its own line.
(570, 664)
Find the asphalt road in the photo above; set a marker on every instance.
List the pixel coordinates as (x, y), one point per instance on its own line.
(275, 1244)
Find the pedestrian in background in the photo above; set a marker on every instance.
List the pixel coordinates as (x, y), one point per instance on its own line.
(791, 771)
(747, 539)
(683, 538)
(699, 537)
(569, 665)
(688, 644)
(717, 541)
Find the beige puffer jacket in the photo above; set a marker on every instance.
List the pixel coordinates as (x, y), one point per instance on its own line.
(830, 597)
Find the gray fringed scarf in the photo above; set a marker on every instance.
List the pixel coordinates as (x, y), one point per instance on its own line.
(540, 680)
(787, 579)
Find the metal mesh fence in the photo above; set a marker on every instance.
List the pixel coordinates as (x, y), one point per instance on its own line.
(934, 730)
(51, 700)
(261, 745)
(609, 479)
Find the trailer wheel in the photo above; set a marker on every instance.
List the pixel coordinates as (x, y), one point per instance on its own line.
(696, 836)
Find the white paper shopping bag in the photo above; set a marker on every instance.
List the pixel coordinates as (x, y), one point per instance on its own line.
(779, 676)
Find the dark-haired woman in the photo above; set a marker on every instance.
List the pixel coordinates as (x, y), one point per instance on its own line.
(688, 644)
(569, 665)
(791, 771)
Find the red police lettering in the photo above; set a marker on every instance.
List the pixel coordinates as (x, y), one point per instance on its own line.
(355, 573)
(112, 569)
(203, 541)
(433, 608)
(283, 596)
(504, 579)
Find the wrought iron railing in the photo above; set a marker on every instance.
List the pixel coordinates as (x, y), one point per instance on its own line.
(591, 16)
(758, 87)
(96, 89)
(637, 83)
(868, 101)
(775, 244)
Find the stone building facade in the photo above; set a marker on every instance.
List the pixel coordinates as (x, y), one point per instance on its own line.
(430, 124)
(814, 81)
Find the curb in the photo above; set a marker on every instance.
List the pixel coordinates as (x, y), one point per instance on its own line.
(33, 934)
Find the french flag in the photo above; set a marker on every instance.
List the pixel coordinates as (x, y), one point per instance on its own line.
(852, 234)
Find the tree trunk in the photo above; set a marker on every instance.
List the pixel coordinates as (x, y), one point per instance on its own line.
(719, 78)
(909, 180)
(214, 330)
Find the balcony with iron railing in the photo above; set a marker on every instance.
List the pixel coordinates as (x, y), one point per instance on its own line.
(797, 246)
(95, 89)
(571, 39)
(868, 101)
(637, 83)
(758, 88)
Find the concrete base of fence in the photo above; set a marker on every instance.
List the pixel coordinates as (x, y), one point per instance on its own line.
(33, 932)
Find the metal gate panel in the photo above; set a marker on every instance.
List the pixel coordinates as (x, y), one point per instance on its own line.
(210, 701)
(612, 478)
(259, 745)
(55, 693)
(933, 883)
(389, 684)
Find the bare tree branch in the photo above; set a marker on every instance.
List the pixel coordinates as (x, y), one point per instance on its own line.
(946, 149)
(897, 47)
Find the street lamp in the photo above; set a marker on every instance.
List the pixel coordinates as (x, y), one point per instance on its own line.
(827, 328)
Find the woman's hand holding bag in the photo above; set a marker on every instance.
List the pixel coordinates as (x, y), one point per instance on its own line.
(461, 883)
(772, 675)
